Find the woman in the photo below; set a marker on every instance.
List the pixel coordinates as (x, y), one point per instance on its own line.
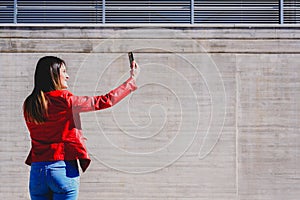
(52, 116)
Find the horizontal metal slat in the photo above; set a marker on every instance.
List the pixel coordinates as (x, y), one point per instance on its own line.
(152, 11)
(147, 11)
(291, 12)
(66, 11)
(7, 11)
(236, 11)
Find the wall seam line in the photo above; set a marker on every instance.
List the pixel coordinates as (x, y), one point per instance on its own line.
(236, 130)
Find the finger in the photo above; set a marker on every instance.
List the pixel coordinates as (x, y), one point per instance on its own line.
(133, 63)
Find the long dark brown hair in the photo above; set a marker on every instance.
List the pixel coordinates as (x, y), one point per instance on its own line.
(46, 79)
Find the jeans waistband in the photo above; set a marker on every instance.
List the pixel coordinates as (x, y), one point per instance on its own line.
(59, 163)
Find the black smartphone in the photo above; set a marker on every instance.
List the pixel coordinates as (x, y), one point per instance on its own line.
(130, 56)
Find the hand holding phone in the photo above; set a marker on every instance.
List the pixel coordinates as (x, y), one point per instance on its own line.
(133, 65)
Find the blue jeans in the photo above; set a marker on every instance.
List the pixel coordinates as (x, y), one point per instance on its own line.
(58, 180)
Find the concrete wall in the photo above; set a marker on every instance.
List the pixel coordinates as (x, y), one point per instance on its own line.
(216, 115)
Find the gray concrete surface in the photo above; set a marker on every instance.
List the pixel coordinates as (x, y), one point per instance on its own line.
(216, 115)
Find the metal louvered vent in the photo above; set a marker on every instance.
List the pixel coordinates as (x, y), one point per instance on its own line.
(51, 11)
(151, 11)
(237, 11)
(155, 11)
(7, 11)
(291, 11)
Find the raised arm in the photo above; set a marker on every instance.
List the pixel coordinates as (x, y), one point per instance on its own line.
(91, 103)
(87, 103)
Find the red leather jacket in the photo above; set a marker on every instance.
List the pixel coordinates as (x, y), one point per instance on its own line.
(60, 137)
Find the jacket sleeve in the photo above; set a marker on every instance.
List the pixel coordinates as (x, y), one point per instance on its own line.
(91, 103)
